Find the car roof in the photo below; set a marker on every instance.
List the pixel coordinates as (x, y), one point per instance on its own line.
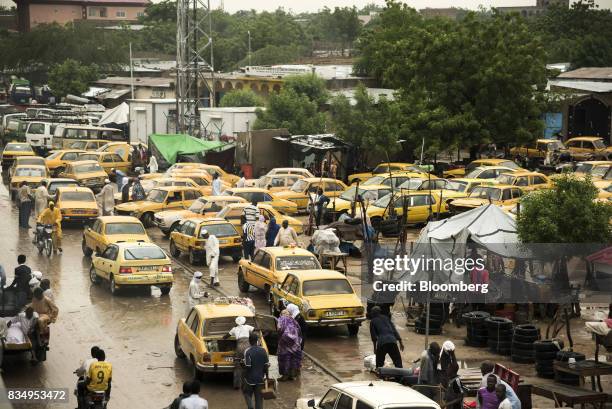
(541, 140)
(242, 205)
(283, 175)
(132, 244)
(174, 188)
(380, 393)
(494, 167)
(524, 173)
(83, 162)
(28, 165)
(67, 150)
(210, 220)
(289, 169)
(248, 189)
(18, 158)
(584, 138)
(315, 179)
(57, 180)
(283, 251)
(73, 189)
(395, 163)
(371, 187)
(319, 274)
(491, 160)
(596, 162)
(214, 310)
(235, 199)
(119, 219)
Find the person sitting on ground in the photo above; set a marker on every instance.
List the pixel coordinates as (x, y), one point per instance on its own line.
(487, 368)
(487, 398)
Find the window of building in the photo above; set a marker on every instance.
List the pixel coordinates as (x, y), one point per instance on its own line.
(103, 12)
(93, 12)
(120, 13)
(140, 14)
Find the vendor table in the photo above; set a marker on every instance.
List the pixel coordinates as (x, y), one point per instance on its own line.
(585, 368)
(570, 395)
(334, 260)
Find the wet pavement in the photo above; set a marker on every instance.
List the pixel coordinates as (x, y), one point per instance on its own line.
(136, 329)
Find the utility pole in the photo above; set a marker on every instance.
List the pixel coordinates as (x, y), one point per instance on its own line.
(249, 32)
(131, 73)
(194, 59)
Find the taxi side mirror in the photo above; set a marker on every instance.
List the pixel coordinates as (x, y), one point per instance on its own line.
(311, 403)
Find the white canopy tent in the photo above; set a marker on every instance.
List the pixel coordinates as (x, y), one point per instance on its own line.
(118, 115)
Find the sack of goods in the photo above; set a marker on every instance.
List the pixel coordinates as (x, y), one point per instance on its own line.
(325, 241)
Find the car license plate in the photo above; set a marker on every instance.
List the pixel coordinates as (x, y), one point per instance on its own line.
(223, 241)
(228, 359)
(79, 211)
(335, 313)
(147, 268)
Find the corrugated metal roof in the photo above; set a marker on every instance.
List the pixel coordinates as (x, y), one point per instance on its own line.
(589, 86)
(591, 73)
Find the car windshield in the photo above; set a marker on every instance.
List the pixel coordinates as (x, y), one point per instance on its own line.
(326, 287)
(383, 201)
(198, 205)
(33, 172)
(18, 147)
(598, 143)
(297, 263)
(31, 161)
(455, 185)
(505, 179)
(485, 192)
(223, 212)
(79, 145)
(144, 253)
(349, 194)
(124, 228)
(376, 180)
(299, 186)
(54, 155)
(412, 184)
(509, 164)
(54, 185)
(473, 174)
(89, 167)
(584, 168)
(157, 196)
(599, 171)
(77, 197)
(220, 230)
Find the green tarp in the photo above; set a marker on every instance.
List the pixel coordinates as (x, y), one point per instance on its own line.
(169, 146)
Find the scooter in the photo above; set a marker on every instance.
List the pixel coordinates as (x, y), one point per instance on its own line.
(91, 400)
(44, 238)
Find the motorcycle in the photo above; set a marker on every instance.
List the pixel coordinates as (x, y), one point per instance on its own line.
(91, 400)
(44, 238)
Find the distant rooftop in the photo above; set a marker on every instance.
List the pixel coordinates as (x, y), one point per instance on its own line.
(589, 73)
(95, 2)
(138, 81)
(326, 72)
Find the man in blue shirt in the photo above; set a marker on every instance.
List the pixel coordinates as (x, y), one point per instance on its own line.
(256, 365)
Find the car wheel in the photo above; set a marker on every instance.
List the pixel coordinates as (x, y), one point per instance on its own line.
(197, 374)
(113, 286)
(177, 348)
(353, 329)
(243, 286)
(194, 260)
(86, 250)
(93, 276)
(165, 290)
(147, 219)
(174, 251)
(236, 258)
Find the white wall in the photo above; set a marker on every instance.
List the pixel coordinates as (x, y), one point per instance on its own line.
(228, 120)
(148, 117)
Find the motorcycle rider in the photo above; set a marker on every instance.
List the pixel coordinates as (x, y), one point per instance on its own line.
(52, 215)
(100, 375)
(83, 370)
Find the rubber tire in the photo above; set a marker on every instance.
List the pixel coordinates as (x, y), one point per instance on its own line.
(177, 348)
(113, 286)
(86, 250)
(40, 246)
(528, 339)
(521, 359)
(547, 345)
(526, 329)
(475, 316)
(243, 286)
(147, 219)
(193, 259)
(353, 329)
(48, 247)
(165, 290)
(545, 356)
(498, 323)
(174, 251)
(522, 345)
(93, 277)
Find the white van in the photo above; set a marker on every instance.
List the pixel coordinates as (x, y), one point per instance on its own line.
(40, 134)
(369, 395)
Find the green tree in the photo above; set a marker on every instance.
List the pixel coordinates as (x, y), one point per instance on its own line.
(241, 98)
(71, 77)
(369, 126)
(293, 111)
(465, 82)
(309, 85)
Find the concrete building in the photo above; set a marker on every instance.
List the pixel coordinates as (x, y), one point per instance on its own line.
(144, 87)
(532, 11)
(223, 124)
(148, 116)
(588, 110)
(34, 12)
(452, 13)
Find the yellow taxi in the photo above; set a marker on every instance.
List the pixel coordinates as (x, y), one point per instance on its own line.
(87, 173)
(325, 297)
(588, 148)
(596, 168)
(278, 182)
(211, 169)
(122, 149)
(27, 160)
(233, 211)
(465, 185)
(421, 206)
(88, 144)
(384, 167)
(488, 172)
(108, 161)
(13, 150)
(541, 148)
(32, 175)
(202, 179)
(462, 172)
(206, 206)
(200, 336)
(150, 184)
(107, 230)
(500, 195)
(527, 181)
(395, 179)
(343, 203)
(76, 203)
(301, 191)
(187, 238)
(446, 189)
(58, 160)
(158, 199)
(602, 171)
(270, 266)
(130, 264)
(258, 195)
(604, 193)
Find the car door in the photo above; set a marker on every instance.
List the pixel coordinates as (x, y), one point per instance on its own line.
(189, 196)
(282, 290)
(181, 238)
(516, 195)
(332, 189)
(538, 182)
(92, 236)
(184, 332)
(523, 182)
(173, 200)
(506, 196)
(256, 269)
(419, 209)
(105, 263)
(119, 162)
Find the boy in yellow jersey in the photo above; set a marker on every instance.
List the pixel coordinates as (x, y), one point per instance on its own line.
(100, 375)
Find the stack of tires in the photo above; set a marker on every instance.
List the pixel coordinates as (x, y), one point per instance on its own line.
(436, 320)
(499, 335)
(566, 378)
(522, 343)
(545, 354)
(477, 332)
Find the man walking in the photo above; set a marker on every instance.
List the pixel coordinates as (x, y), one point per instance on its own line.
(248, 238)
(385, 338)
(138, 192)
(286, 236)
(106, 198)
(193, 401)
(24, 196)
(429, 370)
(216, 185)
(41, 198)
(320, 203)
(212, 257)
(125, 191)
(256, 364)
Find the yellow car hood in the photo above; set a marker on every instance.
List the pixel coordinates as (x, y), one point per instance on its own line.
(471, 202)
(288, 195)
(27, 179)
(318, 302)
(68, 205)
(339, 204)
